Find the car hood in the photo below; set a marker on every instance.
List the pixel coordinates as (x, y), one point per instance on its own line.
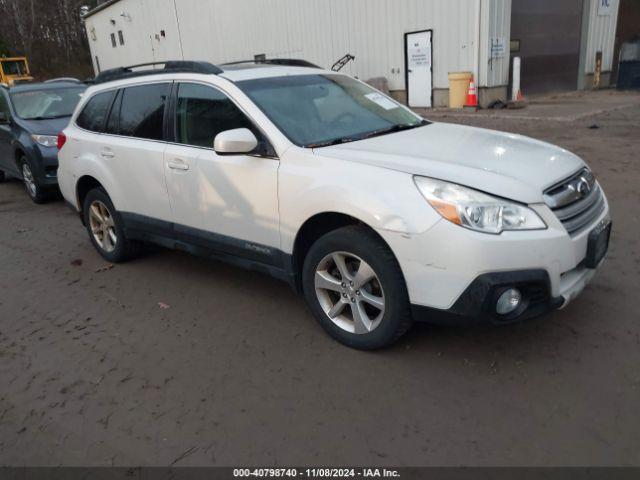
(45, 127)
(504, 164)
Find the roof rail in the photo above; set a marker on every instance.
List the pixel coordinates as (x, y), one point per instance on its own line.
(63, 79)
(289, 62)
(170, 66)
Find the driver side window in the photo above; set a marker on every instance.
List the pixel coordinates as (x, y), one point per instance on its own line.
(202, 112)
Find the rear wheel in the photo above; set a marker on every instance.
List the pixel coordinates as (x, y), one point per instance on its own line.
(36, 192)
(105, 228)
(355, 288)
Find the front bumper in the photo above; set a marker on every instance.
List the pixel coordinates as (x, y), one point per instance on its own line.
(454, 275)
(45, 161)
(477, 302)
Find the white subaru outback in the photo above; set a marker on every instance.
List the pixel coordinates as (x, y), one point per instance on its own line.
(377, 216)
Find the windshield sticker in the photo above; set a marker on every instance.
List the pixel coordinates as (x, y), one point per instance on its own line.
(382, 101)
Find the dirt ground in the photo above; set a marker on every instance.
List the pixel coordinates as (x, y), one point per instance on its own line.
(236, 372)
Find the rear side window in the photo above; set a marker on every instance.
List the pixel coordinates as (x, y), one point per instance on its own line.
(94, 114)
(142, 111)
(203, 112)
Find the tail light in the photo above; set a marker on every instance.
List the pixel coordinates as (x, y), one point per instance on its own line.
(62, 139)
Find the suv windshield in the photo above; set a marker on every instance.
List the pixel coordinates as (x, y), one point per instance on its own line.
(321, 110)
(46, 104)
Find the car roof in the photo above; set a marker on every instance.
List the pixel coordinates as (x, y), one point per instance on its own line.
(32, 87)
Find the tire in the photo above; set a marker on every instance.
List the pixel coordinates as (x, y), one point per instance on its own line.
(100, 214)
(357, 250)
(38, 193)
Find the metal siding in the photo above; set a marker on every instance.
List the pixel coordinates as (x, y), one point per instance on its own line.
(601, 38)
(320, 31)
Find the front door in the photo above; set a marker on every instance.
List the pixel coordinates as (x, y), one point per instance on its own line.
(227, 203)
(6, 137)
(419, 68)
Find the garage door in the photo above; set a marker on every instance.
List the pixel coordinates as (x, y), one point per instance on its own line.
(548, 34)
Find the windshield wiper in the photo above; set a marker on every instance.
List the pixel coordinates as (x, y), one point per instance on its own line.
(328, 143)
(375, 133)
(395, 128)
(53, 117)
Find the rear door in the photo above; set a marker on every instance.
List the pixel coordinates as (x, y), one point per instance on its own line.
(224, 202)
(133, 148)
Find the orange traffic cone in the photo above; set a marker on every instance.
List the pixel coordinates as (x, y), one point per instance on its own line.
(519, 102)
(472, 97)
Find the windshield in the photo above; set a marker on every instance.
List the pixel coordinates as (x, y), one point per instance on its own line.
(321, 110)
(14, 67)
(46, 104)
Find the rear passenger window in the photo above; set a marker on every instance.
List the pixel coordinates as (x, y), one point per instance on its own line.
(142, 111)
(203, 112)
(94, 114)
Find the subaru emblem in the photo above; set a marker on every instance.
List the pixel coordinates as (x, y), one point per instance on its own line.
(583, 186)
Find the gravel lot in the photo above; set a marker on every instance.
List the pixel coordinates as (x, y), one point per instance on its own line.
(236, 372)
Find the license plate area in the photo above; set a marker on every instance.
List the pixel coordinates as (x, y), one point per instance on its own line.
(598, 244)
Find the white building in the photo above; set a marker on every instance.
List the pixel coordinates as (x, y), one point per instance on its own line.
(414, 44)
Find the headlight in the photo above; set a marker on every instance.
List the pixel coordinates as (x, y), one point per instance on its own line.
(46, 140)
(476, 210)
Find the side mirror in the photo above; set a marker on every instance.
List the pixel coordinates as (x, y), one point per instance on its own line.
(239, 140)
(4, 119)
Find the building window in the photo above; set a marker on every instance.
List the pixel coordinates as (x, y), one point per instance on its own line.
(113, 40)
(121, 37)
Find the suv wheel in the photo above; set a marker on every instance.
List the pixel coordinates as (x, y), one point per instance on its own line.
(355, 288)
(36, 192)
(105, 228)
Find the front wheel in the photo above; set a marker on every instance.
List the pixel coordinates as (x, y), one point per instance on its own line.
(355, 288)
(36, 192)
(105, 228)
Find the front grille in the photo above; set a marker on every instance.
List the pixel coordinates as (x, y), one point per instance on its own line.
(577, 201)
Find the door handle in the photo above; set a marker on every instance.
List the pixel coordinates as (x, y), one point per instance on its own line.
(107, 154)
(178, 164)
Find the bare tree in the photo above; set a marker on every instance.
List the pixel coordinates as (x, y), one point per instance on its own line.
(49, 32)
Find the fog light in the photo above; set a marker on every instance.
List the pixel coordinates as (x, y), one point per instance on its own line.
(509, 301)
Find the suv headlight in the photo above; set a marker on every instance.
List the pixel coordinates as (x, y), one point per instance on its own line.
(476, 210)
(46, 140)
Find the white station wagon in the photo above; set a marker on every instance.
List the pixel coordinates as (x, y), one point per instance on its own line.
(377, 216)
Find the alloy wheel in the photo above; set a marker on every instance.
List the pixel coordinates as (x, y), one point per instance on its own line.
(349, 292)
(102, 226)
(29, 181)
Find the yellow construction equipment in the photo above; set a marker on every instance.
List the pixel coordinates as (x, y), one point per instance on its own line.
(14, 70)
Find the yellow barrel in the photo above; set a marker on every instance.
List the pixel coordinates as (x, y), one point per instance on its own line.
(458, 88)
